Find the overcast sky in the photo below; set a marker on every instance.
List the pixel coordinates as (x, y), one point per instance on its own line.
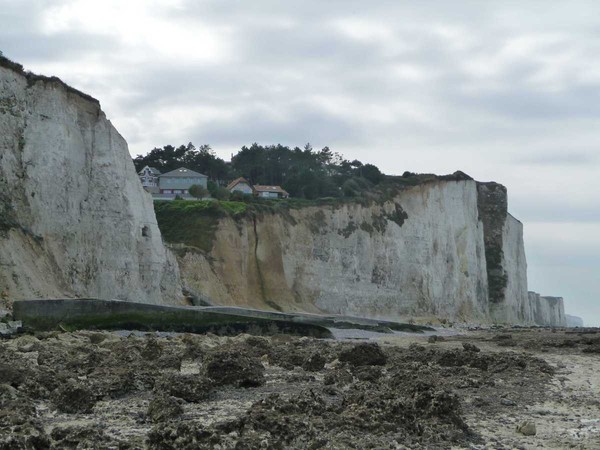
(506, 91)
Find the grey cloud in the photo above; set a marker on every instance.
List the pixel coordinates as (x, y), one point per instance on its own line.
(551, 212)
(565, 158)
(60, 47)
(522, 103)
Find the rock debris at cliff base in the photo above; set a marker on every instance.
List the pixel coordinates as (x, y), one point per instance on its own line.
(101, 390)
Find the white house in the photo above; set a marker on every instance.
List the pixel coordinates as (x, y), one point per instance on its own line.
(240, 185)
(149, 178)
(270, 191)
(180, 180)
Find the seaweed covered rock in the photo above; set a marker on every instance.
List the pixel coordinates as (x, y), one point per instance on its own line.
(19, 427)
(179, 436)
(74, 397)
(364, 355)
(116, 382)
(314, 363)
(231, 368)
(84, 437)
(163, 407)
(191, 388)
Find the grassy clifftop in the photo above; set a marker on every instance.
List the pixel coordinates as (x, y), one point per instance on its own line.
(194, 223)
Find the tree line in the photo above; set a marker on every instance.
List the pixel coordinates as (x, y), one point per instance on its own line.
(303, 172)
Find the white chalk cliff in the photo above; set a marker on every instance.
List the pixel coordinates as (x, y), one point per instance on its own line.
(446, 249)
(574, 321)
(74, 219)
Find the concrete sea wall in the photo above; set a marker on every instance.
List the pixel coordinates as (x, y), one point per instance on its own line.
(90, 313)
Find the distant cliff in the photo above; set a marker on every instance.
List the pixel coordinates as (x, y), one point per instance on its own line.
(547, 310)
(574, 321)
(74, 220)
(445, 248)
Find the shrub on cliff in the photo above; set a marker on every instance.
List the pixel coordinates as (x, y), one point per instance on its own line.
(197, 191)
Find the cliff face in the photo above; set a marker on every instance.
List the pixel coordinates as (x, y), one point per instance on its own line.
(426, 253)
(74, 220)
(547, 310)
(574, 321)
(446, 249)
(420, 255)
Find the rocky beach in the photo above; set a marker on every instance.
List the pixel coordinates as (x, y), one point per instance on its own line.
(496, 388)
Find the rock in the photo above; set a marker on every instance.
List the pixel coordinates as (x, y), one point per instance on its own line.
(365, 354)
(19, 426)
(180, 435)
(163, 407)
(84, 437)
(314, 363)
(339, 377)
(232, 368)
(97, 337)
(258, 342)
(115, 382)
(507, 402)
(479, 401)
(191, 388)
(10, 328)
(527, 428)
(11, 375)
(27, 343)
(367, 373)
(468, 347)
(152, 350)
(74, 397)
(591, 349)
(435, 338)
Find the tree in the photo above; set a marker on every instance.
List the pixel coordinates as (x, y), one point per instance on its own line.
(202, 159)
(372, 173)
(221, 194)
(197, 191)
(303, 172)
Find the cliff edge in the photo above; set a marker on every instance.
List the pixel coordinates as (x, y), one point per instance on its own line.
(74, 219)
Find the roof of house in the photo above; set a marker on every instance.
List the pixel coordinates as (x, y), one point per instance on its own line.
(152, 169)
(181, 173)
(237, 181)
(277, 189)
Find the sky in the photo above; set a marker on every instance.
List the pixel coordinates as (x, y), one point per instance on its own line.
(507, 91)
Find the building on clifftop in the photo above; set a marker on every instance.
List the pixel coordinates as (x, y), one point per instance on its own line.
(270, 191)
(240, 185)
(149, 178)
(178, 182)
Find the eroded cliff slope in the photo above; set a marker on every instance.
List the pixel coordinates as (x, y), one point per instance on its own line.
(74, 220)
(445, 248)
(421, 254)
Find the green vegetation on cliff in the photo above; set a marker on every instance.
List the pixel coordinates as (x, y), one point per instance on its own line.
(194, 223)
